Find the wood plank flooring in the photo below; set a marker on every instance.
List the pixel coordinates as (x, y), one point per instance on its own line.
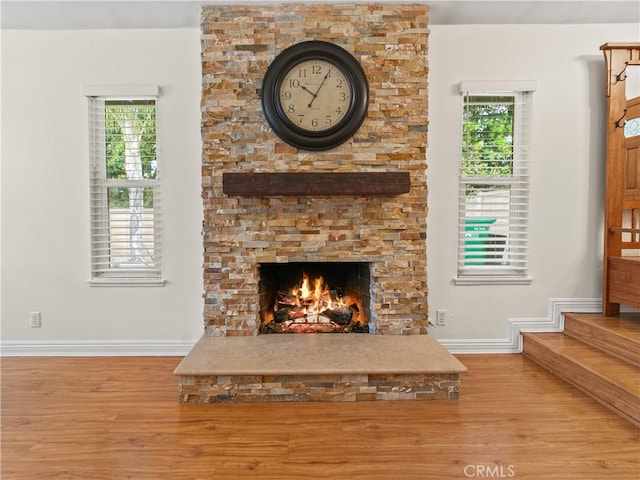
(119, 418)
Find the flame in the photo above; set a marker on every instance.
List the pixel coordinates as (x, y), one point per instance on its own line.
(312, 307)
(314, 300)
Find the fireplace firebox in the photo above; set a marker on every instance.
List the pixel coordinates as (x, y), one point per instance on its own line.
(322, 297)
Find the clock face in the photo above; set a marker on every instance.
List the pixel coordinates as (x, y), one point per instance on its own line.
(315, 95)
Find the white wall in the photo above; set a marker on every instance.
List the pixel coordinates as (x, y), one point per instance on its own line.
(45, 193)
(45, 215)
(566, 155)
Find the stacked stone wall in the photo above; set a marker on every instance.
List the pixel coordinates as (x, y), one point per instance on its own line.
(389, 232)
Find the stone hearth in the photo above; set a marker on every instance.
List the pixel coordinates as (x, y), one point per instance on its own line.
(318, 367)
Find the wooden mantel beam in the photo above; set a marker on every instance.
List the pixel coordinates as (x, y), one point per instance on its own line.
(308, 183)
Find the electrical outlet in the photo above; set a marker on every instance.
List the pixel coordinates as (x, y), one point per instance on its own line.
(441, 318)
(35, 320)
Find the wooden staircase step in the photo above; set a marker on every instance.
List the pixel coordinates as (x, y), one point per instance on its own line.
(609, 380)
(618, 336)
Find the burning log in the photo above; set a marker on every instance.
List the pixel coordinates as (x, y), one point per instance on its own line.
(282, 314)
(287, 298)
(341, 315)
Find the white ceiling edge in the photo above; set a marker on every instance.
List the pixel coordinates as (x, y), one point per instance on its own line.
(100, 14)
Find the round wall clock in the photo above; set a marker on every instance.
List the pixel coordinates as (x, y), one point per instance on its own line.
(315, 95)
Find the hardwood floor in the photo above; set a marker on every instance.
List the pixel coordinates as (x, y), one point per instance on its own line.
(119, 418)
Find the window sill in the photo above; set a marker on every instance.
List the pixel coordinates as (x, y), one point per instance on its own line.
(497, 280)
(127, 282)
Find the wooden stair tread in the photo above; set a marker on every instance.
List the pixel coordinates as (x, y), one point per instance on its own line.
(625, 324)
(594, 359)
(611, 381)
(619, 335)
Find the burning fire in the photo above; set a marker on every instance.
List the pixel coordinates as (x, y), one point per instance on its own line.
(312, 307)
(309, 302)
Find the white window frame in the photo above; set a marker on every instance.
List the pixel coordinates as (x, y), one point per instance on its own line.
(512, 269)
(103, 270)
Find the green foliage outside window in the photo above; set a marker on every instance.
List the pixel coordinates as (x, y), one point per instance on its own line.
(487, 140)
(130, 129)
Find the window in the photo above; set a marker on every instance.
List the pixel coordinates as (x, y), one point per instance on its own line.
(494, 185)
(125, 188)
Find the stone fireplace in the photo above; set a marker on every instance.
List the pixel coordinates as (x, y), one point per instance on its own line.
(354, 215)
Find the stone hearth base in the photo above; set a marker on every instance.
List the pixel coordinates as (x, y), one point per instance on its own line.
(318, 367)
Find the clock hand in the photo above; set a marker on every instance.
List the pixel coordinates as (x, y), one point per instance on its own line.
(315, 95)
(307, 90)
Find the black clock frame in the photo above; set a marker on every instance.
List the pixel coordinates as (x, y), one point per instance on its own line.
(289, 131)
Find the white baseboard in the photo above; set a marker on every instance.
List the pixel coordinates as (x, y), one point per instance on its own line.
(553, 322)
(112, 348)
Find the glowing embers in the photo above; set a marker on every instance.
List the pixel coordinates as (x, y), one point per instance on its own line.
(311, 304)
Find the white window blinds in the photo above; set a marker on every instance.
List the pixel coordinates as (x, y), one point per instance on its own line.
(126, 224)
(493, 213)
